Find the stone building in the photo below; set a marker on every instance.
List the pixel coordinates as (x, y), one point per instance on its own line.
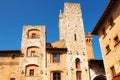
(65, 59)
(108, 30)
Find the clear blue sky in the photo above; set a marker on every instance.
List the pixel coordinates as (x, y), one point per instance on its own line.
(14, 14)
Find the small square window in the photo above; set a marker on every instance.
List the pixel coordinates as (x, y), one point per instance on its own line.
(32, 53)
(33, 35)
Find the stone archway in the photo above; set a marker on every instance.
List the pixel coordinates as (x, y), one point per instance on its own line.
(100, 77)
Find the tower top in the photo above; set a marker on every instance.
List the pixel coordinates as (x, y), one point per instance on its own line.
(72, 8)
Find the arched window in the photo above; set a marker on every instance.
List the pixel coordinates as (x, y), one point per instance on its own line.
(33, 51)
(34, 34)
(32, 70)
(77, 61)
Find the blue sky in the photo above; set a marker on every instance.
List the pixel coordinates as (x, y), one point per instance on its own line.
(14, 14)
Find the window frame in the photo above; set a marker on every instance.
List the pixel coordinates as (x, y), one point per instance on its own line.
(116, 40)
(107, 49)
(56, 75)
(77, 63)
(113, 72)
(56, 57)
(32, 53)
(33, 36)
(78, 75)
(31, 72)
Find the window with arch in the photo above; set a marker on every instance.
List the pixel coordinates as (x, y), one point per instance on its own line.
(77, 63)
(34, 34)
(33, 51)
(32, 70)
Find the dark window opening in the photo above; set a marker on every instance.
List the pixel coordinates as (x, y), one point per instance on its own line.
(78, 75)
(12, 78)
(113, 71)
(108, 49)
(32, 53)
(75, 37)
(111, 22)
(33, 35)
(77, 61)
(13, 56)
(56, 58)
(116, 39)
(104, 32)
(56, 76)
(31, 72)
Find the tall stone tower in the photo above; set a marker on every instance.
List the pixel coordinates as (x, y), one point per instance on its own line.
(71, 29)
(33, 48)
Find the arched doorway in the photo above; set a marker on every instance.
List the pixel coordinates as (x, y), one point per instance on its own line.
(77, 63)
(100, 77)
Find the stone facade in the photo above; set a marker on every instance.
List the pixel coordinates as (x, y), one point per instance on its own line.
(66, 59)
(108, 30)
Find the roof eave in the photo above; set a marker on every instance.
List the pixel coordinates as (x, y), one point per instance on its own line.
(104, 15)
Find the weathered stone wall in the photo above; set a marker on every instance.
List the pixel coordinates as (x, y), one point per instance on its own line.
(40, 43)
(9, 65)
(72, 31)
(111, 57)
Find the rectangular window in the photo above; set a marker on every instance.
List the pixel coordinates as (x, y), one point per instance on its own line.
(108, 49)
(33, 35)
(31, 72)
(12, 78)
(32, 53)
(56, 76)
(78, 75)
(56, 58)
(116, 40)
(113, 73)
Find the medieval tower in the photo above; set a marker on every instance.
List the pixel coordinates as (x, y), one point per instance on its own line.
(72, 31)
(34, 52)
(65, 59)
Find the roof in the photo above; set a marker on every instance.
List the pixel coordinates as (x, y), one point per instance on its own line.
(5, 51)
(57, 44)
(104, 15)
(9, 53)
